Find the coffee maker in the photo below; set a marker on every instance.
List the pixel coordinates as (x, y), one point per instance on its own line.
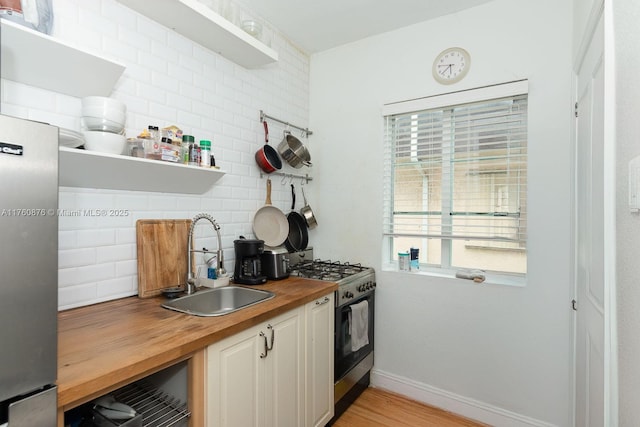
(248, 268)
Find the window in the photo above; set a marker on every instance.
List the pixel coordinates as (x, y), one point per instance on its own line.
(456, 179)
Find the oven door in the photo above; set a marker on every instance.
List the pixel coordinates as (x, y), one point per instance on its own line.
(345, 358)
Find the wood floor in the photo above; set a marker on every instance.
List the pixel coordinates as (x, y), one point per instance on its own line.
(378, 408)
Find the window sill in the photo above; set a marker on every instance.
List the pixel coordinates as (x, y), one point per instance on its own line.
(490, 278)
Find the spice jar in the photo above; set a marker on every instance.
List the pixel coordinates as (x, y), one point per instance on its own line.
(205, 153)
(403, 261)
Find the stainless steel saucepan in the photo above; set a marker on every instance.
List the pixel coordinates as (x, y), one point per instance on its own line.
(293, 151)
(307, 213)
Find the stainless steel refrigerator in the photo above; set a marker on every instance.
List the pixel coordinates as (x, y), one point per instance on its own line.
(28, 272)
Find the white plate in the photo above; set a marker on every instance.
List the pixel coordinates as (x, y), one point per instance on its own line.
(70, 138)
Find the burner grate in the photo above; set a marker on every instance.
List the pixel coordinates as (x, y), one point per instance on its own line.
(326, 269)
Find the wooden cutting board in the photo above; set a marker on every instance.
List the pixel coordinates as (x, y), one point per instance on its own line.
(162, 254)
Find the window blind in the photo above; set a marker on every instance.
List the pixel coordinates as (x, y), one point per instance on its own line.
(458, 172)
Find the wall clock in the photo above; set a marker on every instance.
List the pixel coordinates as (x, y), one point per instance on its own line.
(451, 65)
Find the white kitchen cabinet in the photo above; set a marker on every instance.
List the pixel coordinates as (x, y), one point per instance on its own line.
(319, 321)
(249, 385)
(199, 23)
(37, 59)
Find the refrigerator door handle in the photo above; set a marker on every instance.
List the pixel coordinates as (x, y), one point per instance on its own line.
(39, 409)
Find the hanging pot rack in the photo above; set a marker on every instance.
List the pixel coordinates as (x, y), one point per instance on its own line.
(291, 176)
(264, 116)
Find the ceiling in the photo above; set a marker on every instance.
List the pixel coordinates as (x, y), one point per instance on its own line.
(317, 25)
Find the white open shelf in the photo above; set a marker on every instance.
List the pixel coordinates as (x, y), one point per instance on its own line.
(90, 169)
(37, 59)
(202, 25)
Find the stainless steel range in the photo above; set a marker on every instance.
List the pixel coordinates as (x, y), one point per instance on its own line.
(354, 323)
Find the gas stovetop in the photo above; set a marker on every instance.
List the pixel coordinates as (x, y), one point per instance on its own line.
(353, 280)
(331, 271)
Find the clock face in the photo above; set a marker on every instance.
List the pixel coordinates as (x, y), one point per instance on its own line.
(451, 65)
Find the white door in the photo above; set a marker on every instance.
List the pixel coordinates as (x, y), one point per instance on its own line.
(235, 381)
(319, 361)
(593, 261)
(284, 376)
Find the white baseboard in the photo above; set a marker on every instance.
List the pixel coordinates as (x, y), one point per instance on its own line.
(452, 402)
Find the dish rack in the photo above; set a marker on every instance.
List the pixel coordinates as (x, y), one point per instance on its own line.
(158, 409)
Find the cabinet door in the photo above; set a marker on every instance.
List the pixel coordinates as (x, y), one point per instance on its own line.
(284, 376)
(319, 407)
(235, 381)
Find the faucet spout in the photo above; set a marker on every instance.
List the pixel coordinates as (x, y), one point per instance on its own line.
(191, 276)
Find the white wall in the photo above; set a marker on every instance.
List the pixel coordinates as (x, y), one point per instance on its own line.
(502, 354)
(626, 18)
(168, 80)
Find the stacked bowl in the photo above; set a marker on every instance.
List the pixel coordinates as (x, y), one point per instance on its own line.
(102, 123)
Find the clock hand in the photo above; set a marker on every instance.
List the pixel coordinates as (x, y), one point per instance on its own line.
(448, 66)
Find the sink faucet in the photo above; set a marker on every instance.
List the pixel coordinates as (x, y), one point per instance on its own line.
(191, 276)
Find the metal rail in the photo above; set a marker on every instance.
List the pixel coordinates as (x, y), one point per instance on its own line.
(291, 176)
(264, 116)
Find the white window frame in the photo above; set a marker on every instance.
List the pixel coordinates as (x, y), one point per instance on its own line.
(486, 93)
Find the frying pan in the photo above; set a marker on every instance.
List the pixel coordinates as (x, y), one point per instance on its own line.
(298, 237)
(270, 223)
(267, 156)
(307, 213)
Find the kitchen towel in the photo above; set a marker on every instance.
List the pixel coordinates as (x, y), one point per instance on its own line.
(359, 325)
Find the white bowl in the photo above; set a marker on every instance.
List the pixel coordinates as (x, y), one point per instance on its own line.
(103, 102)
(101, 124)
(105, 142)
(253, 28)
(110, 114)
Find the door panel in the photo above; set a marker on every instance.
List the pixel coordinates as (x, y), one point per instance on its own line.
(285, 373)
(590, 237)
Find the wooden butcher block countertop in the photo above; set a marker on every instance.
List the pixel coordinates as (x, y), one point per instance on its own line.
(105, 346)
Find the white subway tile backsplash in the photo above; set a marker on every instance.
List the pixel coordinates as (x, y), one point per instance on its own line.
(95, 272)
(168, 80)
(163, 202)
(28, 96)
(67, 277)
(76, 257)
(115, 253)
(93, 238)
(131, 37)
(127, 268)
(157, 33)
(189, 120)
(75, 296)
(119, 287)
(126, 235)
(67, 239)
(150, 93)
(93, 19)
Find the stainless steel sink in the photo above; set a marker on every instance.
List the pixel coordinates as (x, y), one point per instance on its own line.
(218, 301)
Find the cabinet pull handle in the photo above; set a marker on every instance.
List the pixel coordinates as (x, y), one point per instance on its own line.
(324, 301)
(266, 348)
(272, 337)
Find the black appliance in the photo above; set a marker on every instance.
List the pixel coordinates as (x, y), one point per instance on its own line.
(355, 284)
(248, 267)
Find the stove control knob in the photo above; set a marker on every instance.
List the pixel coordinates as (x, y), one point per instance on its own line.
(362, 288)
(348, 294)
